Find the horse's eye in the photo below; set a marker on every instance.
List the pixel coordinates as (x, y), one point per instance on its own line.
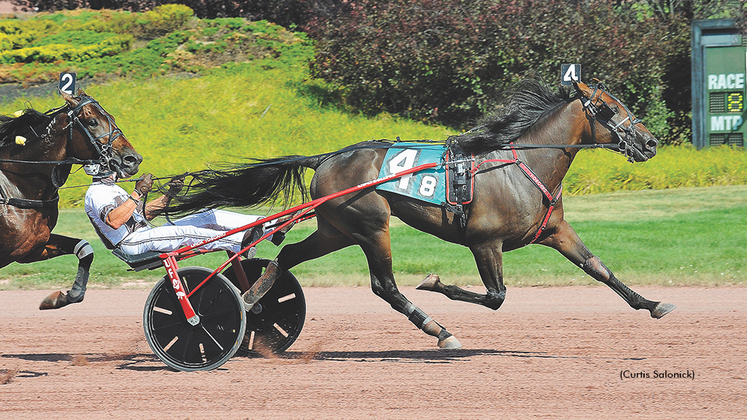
(93, 123)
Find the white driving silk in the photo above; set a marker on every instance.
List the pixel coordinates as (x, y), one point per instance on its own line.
(136, 237)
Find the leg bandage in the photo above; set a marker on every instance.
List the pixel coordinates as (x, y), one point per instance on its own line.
(417, 316)
(84, 251)
(443, 335)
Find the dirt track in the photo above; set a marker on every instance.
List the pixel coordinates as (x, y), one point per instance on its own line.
(548, 353)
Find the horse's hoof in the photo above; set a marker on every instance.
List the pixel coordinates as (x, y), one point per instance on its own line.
(55, 300)
(662, 309)
(430, 282)
(449, 343)
(494, 300)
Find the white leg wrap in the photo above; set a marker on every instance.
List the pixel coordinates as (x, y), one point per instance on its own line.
(83, 249)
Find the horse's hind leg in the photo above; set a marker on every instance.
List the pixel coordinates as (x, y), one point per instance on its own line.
(376, 246)
(316, 245)
(567, 242)
(62, 245)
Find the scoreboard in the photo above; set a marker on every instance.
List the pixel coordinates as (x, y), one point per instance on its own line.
(719, 69)
(725, 84)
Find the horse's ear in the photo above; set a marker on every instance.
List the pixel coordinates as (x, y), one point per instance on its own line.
(583, 88)
(70, 99)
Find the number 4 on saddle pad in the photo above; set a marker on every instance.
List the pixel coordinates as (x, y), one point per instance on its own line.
(428, 185)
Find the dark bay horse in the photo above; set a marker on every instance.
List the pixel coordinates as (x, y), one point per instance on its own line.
(521, 156)
(37, 151)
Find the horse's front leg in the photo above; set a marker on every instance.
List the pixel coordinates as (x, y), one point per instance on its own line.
(567, 242)
(62, 245)
(489, 259)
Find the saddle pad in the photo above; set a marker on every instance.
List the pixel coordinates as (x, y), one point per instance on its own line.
(427, 185)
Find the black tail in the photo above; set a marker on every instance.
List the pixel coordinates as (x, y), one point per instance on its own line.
(247, 185)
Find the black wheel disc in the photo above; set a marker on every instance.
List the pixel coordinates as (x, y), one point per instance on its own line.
(276, 321)
(213, 340)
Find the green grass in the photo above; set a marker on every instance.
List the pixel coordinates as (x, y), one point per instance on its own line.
(688, 236)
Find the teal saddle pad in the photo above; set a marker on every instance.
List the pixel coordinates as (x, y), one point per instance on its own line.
(427, 185)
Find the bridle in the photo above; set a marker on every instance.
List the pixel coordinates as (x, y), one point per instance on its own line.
(600, 111)
(105, 151)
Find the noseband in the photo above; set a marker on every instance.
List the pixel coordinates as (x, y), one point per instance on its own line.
(603, 113)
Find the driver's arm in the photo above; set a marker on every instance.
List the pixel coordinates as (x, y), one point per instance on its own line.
(155, 205)
(120, 215)
(175, 186)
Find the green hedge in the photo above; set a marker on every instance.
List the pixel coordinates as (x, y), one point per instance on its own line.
(66, 52)
(599, 171)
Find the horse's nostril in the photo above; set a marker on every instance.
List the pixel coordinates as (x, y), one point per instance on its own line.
(131, 160)
(651, 144)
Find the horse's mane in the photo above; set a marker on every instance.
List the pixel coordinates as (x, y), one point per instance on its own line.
(522, 106)
(22, 125)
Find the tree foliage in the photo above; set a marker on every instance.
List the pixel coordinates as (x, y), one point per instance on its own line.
(449, 60)
(282, 12)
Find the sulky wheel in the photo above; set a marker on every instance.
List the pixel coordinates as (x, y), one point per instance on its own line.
(213, 340)
(276, 320)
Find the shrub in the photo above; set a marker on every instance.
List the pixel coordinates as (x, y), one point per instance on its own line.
(51, 53)
(448, 60)
(81, 37)
(162, 20)
(598, 171)
(36, 49)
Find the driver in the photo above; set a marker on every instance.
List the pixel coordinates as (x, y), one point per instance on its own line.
(120, 219)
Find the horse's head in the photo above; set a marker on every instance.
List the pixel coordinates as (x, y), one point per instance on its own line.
(94, 135)
(631, 137)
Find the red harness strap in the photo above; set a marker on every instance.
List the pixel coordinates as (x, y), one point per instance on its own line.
(551, 198)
